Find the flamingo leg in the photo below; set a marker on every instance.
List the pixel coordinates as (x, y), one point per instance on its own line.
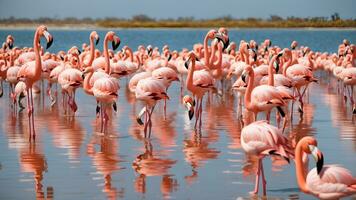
(146, 121)
(257, 180)
(150, 121)
(201, 112)
(196, 114)
(29, 113)
(264, 182)
(1, 89)
(32, 115)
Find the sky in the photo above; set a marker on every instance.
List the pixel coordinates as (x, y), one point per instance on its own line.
(199, 9)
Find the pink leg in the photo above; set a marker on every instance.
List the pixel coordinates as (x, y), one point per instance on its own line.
(32, 115)
(29, 113)
(146, 121)
(264, 183)
(257, 180)
(200, 112)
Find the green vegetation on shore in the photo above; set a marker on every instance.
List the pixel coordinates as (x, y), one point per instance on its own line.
(144, 21)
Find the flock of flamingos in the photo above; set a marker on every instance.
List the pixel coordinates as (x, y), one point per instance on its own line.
(266, 78)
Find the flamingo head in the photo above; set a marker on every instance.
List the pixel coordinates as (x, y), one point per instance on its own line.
(294, 45)
(211, 34)
(86, 71)
(115, 40)
(42, 31)
(10, 41)
(191, 56)
(221, 37)
(189, 103)
(94, 35)
(149, 49)
(309, 146)
(248, 71)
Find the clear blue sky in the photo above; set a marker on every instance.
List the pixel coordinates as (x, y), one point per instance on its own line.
(175, 8)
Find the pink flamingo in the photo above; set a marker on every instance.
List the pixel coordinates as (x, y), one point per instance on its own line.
(105, 88)
(260, 98)
(198, 82)
(31, 72)
(324, 181)
(262, 139)
(149, 90)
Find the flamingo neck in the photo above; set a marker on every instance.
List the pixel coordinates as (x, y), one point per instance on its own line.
(300, 169)
(130, 55)
(206, 51)
(189, 80)
(247, 59)
(106, 55)
(270, 71)
(36, 48)
(92, 51)
(249, 89)
(311, 63)
(286, 65)
(86, 85)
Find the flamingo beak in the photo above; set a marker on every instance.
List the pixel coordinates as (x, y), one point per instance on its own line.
(116, 43)
(318, 157)
(49, 39)
(243, 77)
(169, 57)
(10, 44)
(276, 66)
(149, 51)
(97, 39)
(186, 63)
(190, 109)
(139, 116)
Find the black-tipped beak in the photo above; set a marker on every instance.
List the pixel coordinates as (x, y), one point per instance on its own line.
(191, 114)
(169, 57)
(10, 45)
(186, 63)
(196, 59)
(49, 39)
(149, 52)
(280, 54)
(243, 77)
(83, 75)
(114, 106)
(318, 157)
(79, 52)
(276, 66)
(62, 58)
(320, 162)
(115, 43)
(97, 40)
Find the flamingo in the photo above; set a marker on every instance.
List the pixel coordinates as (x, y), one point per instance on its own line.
(324, 181)
(198, 82)
(262, 139)
(261, 98)
(31, 72)
(149, 90)
(104, 88)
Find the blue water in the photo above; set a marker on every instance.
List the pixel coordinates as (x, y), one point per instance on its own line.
(70, 160)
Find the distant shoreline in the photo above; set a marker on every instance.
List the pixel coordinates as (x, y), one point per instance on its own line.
(95, 27)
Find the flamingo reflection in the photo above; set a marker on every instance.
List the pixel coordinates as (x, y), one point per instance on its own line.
(150, 164)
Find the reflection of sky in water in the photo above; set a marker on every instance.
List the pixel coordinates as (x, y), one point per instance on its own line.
(84, 165)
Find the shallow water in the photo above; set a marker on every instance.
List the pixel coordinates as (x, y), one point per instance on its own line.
(70, 160)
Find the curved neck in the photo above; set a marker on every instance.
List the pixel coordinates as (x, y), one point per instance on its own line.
(270, 71)
(106, 55)
(86, 85)
(218, 63)
(247, 59)
(92, 51)
(311, 63)
(36, 48)
(249, 89)
(206, 51)
(189, 80)
(286, 65)
(299, 168)
(130, 54)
